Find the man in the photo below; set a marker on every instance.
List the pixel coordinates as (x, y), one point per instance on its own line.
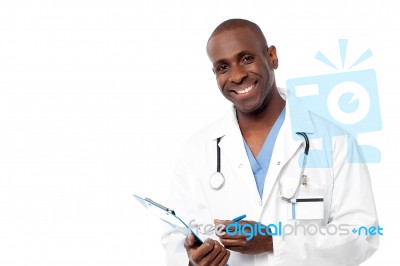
(256, 150)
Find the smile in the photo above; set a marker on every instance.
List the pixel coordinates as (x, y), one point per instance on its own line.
(246, 90)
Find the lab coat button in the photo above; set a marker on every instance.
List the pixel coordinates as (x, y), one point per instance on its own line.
(278, 163)
(260, 203)
(240, 165)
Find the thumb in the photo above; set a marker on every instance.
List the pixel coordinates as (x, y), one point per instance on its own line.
(189, 242)
(217, 221)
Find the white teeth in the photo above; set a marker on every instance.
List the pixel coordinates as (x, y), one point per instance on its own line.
(246, 90)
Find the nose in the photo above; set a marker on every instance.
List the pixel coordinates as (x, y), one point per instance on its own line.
(237, 74)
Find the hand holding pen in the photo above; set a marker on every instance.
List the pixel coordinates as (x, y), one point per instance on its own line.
(243, 236)
(236, 219)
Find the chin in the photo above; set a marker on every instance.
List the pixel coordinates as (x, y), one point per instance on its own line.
(247, 109)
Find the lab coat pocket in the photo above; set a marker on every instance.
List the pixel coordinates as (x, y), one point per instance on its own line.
(306, 208)
(309, 199)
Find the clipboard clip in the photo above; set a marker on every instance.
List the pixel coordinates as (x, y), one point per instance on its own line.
(160, 206)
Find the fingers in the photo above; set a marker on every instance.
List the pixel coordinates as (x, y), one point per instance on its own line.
(224, 222)
(230, 232)
(213, 255)
(225, 258)
(201, 252)
(209, 253)
(233, 242)
(221, 258)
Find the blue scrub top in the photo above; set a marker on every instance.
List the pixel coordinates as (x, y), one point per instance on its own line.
(260, 164)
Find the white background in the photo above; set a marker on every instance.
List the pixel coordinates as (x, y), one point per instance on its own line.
(97, 96)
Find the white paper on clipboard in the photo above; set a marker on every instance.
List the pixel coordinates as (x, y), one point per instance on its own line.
(168, 216)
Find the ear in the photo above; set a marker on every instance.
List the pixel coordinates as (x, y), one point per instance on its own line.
(272, 57)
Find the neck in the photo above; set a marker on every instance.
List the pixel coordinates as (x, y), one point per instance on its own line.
(263, 119)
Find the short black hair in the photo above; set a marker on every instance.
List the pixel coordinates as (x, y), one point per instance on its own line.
(239, 23)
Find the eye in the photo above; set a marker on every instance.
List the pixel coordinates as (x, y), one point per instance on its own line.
(247, 59)
(221, 69)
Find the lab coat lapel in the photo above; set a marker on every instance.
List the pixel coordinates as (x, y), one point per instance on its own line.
(285, 147)
(232, 148)
(287, 143)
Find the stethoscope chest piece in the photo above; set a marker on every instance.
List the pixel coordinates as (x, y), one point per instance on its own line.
(217, 180)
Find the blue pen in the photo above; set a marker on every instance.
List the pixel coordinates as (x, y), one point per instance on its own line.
(237, 219)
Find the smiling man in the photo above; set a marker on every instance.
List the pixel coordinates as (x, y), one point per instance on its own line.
(248, 163)
(244, 66)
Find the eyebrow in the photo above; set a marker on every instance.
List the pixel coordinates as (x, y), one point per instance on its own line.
(238, 55)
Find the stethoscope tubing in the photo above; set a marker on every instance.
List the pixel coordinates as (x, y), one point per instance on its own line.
(217, 180)
(292, 199)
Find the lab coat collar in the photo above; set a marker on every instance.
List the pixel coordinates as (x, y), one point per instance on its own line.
(297, 114)
(298, 118)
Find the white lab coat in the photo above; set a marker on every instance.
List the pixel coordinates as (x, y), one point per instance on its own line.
(345, 187)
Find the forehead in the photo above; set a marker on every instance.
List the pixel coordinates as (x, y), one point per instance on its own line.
(230, 43)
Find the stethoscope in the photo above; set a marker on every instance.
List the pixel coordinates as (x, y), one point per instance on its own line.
(217, 180)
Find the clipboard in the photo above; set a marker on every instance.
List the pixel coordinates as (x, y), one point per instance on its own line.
(168, 216)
